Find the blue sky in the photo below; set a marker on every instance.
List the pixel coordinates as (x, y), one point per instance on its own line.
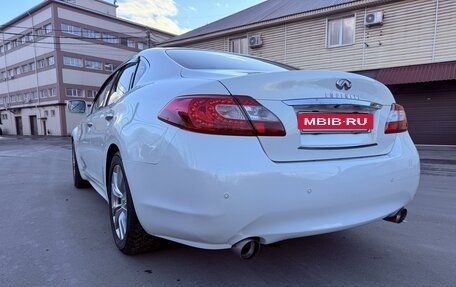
(176, 16)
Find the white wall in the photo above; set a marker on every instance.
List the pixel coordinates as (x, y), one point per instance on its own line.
(52, 122)
(97, 5)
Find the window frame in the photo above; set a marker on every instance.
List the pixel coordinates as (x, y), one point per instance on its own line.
(231, 47)
(341, 29)
(132, 63)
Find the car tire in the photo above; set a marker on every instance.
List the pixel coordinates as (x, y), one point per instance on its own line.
(78, 181)
(129, 236)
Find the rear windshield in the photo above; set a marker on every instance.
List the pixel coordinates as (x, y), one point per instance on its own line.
(209, 60)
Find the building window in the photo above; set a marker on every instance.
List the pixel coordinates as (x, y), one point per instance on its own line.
(70, 29)
(8, 46)
(70, 61)
(32, 66)
(50, 60)
(2, 49)
(29, 37)
(47, 28)
(109, 67)
(110, 38)
(91, 34)
(239, 45)
(43, 94)
(131, 44)
(93, 65)
(4, 116)
(91, 93)
(52, 92)
(18, 71)
(142, 46)
(52, 113)
(74, 93)
(41, 63)
(46, 113)
(40, 32)
(341, 32)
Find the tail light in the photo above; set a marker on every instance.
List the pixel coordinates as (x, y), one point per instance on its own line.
(397, 121)
(223, 115)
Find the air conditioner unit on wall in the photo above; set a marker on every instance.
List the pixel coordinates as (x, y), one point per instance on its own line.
(373, 18)
(255, 41)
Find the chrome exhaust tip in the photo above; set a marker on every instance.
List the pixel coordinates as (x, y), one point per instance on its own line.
(246, 248)
(398, 216)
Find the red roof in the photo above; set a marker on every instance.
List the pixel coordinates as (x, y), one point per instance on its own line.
(418, 73)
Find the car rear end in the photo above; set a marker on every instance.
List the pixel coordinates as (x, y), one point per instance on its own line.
(279, 155)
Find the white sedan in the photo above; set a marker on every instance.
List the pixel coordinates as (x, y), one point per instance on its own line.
(216, 150)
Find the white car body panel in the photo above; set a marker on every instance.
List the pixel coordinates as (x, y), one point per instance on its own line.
(211, 191)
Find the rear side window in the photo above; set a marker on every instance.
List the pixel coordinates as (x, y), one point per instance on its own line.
(209, 60)
(123, 83)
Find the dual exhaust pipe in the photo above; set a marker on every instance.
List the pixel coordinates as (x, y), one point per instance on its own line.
(249, 247)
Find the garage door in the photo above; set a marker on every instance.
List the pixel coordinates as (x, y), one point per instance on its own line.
(431, 111)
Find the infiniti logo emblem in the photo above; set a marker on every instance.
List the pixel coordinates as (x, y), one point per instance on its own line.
(343, 84)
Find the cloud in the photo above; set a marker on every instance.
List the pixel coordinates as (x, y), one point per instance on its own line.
(191, 8)
(154, 13)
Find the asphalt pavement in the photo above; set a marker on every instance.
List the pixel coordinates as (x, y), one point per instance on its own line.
(53, 234)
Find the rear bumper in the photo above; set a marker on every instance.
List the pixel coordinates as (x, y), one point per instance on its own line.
(215, 203)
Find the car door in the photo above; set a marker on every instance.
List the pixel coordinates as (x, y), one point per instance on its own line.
(93, 129)
(104, 118)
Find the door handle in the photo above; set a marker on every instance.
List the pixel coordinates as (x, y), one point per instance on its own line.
(89, 124)
(109, 117)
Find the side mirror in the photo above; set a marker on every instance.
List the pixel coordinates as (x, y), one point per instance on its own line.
(76, 106)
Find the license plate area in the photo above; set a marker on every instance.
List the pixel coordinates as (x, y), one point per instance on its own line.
(316, 122)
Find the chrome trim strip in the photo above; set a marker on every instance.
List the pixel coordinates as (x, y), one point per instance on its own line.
(327, 101)
(334, 148)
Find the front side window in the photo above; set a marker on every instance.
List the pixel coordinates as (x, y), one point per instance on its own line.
(239, 45)
(104, 93)
(341, 32)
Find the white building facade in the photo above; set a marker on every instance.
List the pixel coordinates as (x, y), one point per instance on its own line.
(57, 51)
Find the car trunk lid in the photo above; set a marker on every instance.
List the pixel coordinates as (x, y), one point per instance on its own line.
(293, 93)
